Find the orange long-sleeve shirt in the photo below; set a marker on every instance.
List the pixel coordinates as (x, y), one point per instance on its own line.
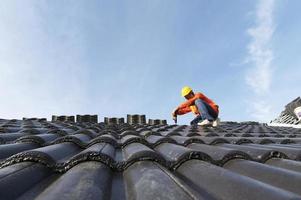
(189, 105)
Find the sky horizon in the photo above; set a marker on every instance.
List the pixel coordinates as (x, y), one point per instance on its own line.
(114, 58)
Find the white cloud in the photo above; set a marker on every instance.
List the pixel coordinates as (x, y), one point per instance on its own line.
(260, 57)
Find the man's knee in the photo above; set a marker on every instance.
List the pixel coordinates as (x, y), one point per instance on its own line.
(199, 101)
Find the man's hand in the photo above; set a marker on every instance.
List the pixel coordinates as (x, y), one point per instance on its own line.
(174, 114)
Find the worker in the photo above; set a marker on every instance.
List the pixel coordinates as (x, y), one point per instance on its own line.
(205, 109)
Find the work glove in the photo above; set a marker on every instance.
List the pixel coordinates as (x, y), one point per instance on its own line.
(174, 114)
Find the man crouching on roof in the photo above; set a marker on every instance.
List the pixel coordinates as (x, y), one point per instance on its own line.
(205, 109)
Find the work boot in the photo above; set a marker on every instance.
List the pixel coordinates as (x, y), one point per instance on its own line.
(216, 122)
(205, 122)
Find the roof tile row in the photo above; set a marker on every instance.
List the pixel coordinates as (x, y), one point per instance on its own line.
(67, 160)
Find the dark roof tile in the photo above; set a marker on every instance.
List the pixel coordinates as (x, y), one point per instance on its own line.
(80, 183)
(285, 164)
(70, 160)
(294, 153)
(258, 153)
(7, 150)
(227, 185)
(218, 154)
(20, 178)
(145, 180)
(278, 177)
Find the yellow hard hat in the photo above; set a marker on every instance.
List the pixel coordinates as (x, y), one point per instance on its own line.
(186, 90)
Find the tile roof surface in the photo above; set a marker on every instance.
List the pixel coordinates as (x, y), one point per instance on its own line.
(287, 116)
(63, 159)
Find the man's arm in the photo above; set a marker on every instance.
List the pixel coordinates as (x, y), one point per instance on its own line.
(185, 107)
(182, 111)
(187, 103)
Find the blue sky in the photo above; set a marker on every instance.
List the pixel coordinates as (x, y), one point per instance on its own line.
(114, 58)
